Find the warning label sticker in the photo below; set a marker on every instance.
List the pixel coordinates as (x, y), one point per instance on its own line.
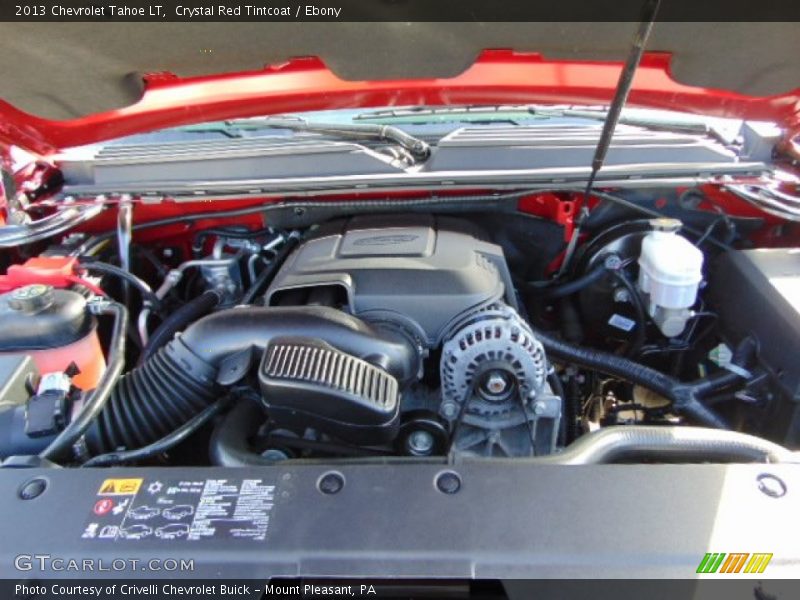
(165, 509)
(119, 487)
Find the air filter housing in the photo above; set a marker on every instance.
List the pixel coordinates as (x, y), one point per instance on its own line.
(308, 383)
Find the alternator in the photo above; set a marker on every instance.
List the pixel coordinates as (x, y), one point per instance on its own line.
(494, 391)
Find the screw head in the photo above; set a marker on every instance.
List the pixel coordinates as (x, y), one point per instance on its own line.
(33, 488)
(771, 485)
(448, 482)
(621, 295)
(539, 408)
(420, 442)
(612, 262)
(449, 410)
(496, 383)
(331, 483)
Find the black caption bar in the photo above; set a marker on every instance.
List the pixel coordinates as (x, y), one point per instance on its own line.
(304, 589)
(394, 10)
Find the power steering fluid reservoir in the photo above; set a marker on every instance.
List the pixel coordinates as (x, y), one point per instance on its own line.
(670, 272)
(55, 329)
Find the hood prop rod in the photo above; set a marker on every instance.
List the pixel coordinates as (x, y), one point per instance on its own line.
(624, 85)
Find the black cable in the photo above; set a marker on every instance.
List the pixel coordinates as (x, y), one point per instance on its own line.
(558, 389)
(162, 445)
(268, 274)
(459, 200)
(319, 446)
(178, 320)
(649, 212)
(147, 294)
(150, 256)
(639, 311)
(549, 290)
(723, 218)
(685, 397)
(459, 418)
(527, 421)
(96, 399)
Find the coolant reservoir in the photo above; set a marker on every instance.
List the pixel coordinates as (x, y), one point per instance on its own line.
(670, 272)
(55, 329)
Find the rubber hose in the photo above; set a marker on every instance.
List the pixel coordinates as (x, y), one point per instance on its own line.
(684, 396)
(179, 320)
(153, 400)
(148, 297)
(228, 446)
(268, 274)
(743, 355)
(621, 442)
(158, 447)
(179, 380)
(574, 286)
(96, 401)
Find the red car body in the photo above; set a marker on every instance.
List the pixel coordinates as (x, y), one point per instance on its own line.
(304, 84)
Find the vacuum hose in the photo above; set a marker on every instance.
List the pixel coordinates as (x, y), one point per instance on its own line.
(178, 320)
(180, 380)
(685, 397)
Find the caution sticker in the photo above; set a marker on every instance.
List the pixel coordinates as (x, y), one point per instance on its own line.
(181, 508)
(120, 487)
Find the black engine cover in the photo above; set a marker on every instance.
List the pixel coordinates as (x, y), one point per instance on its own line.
(419, 271)
(309, 383)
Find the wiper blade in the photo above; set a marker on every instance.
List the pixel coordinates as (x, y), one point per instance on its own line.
(418, 148)
(664, 124)
(478, 112)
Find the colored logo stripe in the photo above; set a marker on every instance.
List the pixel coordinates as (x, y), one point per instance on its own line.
(710, 562)
(721, 562)
(758, 563)
(734, 563)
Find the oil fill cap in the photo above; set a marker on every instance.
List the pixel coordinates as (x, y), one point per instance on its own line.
(31, 298)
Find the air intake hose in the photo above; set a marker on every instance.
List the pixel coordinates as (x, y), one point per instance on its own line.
(180, 380)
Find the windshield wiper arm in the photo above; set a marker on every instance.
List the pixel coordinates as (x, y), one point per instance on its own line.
(418, 148)
(665, 124)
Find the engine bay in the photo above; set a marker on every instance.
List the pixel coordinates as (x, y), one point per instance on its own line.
(422, 334)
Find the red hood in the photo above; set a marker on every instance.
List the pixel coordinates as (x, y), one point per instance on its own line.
(497, 76)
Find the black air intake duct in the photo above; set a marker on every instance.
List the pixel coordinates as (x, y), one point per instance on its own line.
(180, 380)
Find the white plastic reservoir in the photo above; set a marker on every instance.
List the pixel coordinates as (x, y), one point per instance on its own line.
(670, 272)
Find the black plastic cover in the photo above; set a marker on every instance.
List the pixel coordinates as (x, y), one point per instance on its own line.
(46, 413)
(418, 270)
(307, 382)
(757, 292)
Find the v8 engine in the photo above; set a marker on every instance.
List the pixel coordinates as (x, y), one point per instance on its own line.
(390, 335)
(399, 334)
(438, 284)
